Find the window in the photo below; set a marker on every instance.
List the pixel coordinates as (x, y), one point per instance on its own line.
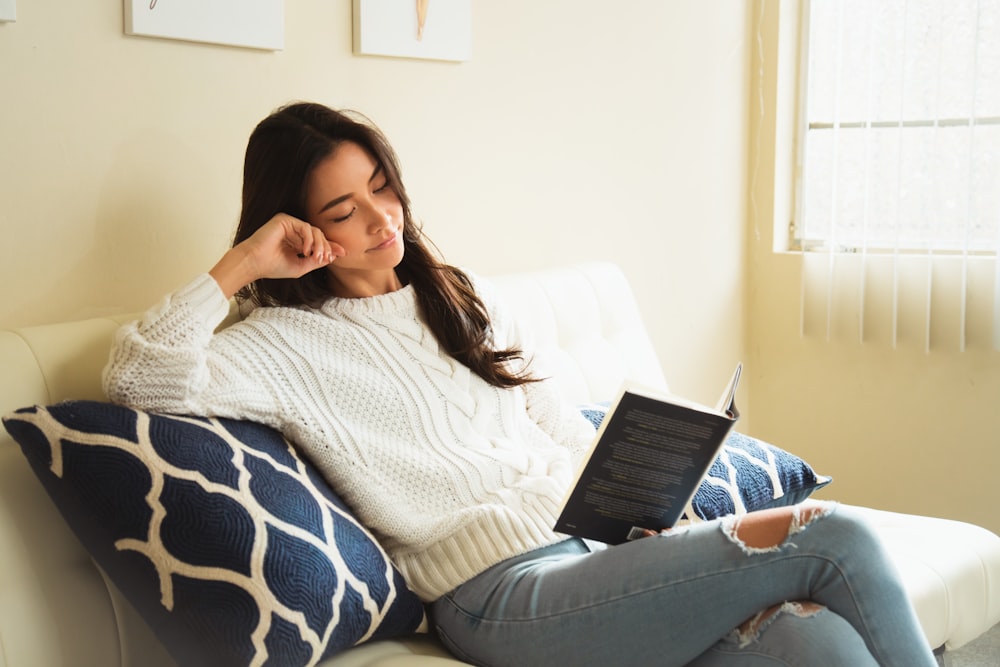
(900, 148)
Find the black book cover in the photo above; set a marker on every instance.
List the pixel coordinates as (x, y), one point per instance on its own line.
(648, 459)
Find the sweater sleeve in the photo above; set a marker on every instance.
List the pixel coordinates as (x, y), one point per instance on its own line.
(164, 361)
(564, 423)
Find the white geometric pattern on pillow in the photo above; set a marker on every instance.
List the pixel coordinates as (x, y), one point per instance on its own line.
(167, 565)
(731, 459)
(750, 474)
(247, 556)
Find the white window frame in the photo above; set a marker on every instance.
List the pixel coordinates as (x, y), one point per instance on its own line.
(799, 238)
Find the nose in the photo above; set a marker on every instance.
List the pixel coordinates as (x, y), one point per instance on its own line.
(380, 219)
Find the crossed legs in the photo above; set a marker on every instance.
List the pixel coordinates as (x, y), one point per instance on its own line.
(792, 586)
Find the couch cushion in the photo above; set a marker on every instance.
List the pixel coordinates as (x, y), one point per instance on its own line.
(950, 569)
(228, 543)
(583, 327)
(749, 474)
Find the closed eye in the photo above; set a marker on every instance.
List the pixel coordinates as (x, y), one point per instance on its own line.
(379, 172)
(347, 217)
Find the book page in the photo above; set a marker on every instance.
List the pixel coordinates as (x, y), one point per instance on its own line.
(727, 402)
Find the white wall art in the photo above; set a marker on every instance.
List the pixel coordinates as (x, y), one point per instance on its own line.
(8, 10)
(432, 29)
(258, 24)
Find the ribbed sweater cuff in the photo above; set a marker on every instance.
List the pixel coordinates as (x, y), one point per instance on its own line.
(200, 301)
(205, 299)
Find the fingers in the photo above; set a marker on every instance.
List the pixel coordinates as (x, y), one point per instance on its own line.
(317, 247)
(287, 247)
(300, 235)
(647, 532)
(306, 241)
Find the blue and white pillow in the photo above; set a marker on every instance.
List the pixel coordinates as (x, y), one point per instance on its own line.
(228, 543)
(748, 475)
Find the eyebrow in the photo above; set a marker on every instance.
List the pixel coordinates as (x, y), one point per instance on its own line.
(333, 202)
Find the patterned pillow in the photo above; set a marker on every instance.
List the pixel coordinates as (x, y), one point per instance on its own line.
(749, 474)
(228, 543)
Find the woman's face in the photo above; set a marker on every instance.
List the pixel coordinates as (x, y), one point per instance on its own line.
(350, 201)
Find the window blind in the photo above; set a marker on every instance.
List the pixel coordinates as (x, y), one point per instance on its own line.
(898, 204)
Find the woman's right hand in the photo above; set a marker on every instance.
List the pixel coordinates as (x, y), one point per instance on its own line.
(284, 247)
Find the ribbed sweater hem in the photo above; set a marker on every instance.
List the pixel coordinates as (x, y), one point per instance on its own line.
(454, 560)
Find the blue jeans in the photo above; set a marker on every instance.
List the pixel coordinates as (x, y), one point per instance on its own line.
(681, 597)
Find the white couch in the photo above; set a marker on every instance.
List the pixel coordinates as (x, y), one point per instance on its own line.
(57, 609)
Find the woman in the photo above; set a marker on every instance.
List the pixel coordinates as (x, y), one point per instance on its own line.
(400, 378)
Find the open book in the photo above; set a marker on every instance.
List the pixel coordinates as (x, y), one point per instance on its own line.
(649, 456)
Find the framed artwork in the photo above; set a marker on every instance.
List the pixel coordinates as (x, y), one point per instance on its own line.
(258, 24)
(432, 29)
(8, 10)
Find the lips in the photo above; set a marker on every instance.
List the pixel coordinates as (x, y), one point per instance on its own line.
(389, 242)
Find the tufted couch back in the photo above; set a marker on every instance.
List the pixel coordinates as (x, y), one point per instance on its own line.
(56, 609)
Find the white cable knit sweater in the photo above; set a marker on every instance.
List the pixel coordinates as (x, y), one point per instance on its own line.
(451, 474)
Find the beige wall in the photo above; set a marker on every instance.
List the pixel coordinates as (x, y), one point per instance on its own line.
(579, 130)
(902, 428)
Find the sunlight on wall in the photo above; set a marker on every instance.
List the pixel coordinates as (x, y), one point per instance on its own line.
(909, 428)
(576, 131)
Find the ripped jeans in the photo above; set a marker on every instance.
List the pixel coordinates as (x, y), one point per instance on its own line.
(696, 595)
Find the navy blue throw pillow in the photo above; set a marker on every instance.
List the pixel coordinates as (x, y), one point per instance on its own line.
(749, 474)
(228, 543)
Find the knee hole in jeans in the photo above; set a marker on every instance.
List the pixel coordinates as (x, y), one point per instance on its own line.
(768, 530)
(750, 630)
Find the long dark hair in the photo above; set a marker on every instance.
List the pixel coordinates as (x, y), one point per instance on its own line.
(282, 152)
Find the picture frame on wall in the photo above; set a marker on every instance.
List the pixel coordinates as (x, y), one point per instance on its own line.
(429, 29)
(8, 10)
(257, 24)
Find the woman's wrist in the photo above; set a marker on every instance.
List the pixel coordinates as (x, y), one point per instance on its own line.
(233, 271)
